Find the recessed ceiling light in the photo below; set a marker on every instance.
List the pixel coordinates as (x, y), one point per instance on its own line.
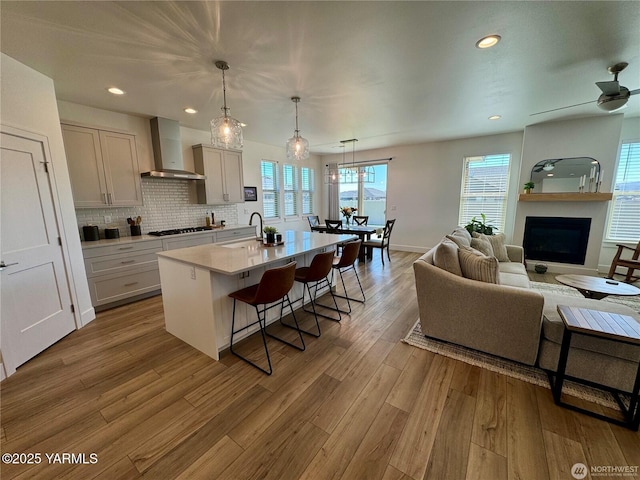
(488, 41)
(495, 117)
(549, 174)
(115, 91)
(190, 110)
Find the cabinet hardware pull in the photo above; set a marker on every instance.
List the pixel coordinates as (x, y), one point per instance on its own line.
(125, 248)
(130, 284)
(128, 261)
(110, 199)
(104, 198)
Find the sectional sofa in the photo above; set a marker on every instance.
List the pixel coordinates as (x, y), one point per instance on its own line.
(475, 292)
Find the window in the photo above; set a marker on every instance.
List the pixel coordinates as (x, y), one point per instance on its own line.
(307, 184)
(365, 187)
(270, 189)
(624, 211)
(290, 190)
(485, 181)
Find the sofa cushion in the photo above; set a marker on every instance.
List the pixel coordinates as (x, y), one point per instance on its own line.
(513, 267)
(483, 245)
(497, 243)
(553, 326)
(461, 237)
(514, 280)
(477, 266)
(446, 257)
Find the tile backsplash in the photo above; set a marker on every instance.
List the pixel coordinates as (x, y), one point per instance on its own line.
(168, 204)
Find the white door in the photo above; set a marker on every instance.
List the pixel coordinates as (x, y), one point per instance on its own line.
(36, 306)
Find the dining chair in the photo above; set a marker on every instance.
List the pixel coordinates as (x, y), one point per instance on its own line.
(317, 273)
(333, 226)
(361, 219)
(631, 264)
(314, 221)
(382, 243)
(271, 291)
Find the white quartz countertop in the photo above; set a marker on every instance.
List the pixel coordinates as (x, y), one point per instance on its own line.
(236, 257)
(146, 238)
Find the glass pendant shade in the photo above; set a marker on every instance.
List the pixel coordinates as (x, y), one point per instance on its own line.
(226, 131)
(297, 147)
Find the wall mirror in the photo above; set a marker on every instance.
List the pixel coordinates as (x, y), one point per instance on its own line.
(557, 175)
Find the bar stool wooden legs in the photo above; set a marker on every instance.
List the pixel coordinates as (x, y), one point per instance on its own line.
(273, 290)
(317, 273)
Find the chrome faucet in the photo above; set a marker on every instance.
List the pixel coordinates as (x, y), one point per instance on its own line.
(259, 238)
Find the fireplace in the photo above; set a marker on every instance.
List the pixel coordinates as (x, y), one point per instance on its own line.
(556, 239)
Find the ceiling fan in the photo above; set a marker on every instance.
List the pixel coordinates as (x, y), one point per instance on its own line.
(546, 166)
(614, 95)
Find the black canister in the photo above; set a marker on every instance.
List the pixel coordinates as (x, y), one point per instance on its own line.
(111, 232)
(136, 230)
(90, 233)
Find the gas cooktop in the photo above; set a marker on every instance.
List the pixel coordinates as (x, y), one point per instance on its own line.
(177, 231)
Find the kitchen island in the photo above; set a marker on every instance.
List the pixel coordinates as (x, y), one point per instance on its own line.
(196, 282)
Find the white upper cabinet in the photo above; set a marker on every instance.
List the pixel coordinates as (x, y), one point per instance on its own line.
(223, 168)
(103, 167)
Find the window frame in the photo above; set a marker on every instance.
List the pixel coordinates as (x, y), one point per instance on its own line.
(280, 191)
(275, 191)
(290, 170)
(614, 216)
(465, 194)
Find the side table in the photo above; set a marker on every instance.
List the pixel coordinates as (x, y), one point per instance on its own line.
(612, 326)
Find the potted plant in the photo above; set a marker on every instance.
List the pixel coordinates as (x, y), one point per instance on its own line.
(529, 186)
(270, 232)
(480, 226)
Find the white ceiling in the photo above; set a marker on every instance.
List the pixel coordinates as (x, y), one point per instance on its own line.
(387, 73)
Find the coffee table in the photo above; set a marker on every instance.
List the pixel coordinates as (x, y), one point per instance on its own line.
(594, 323)
(596, 287)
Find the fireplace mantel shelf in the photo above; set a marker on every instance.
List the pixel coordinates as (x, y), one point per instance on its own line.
(565, 197)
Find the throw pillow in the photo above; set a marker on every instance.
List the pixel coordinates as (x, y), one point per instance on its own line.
(483, 245)
(478, 267)
(446, 257)
(497, 244)
(461, 237)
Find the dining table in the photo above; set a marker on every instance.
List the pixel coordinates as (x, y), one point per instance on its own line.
(363, 232)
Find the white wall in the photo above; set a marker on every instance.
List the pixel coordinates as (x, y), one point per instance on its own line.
(29, 103)
(596, 137)
(423, 185)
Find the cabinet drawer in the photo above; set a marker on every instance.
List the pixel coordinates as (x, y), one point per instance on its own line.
(226, 235)
(120, 263)
(191, 241)
(122, 247)
(110, 288)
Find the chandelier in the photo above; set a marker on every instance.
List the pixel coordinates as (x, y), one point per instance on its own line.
(226, 131)
(297, 146)
(349, 172)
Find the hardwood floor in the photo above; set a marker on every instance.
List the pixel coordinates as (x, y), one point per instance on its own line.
(357, 404)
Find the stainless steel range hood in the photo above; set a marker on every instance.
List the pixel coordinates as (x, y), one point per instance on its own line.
(167, 151)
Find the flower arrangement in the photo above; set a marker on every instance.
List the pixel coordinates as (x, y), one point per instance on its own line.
(348, 211)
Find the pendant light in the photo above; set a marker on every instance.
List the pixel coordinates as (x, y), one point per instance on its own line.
(297, 146)
(226, 131)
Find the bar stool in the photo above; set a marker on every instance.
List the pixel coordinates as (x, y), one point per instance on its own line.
(317, 273)
(346, 262)
(274, 287)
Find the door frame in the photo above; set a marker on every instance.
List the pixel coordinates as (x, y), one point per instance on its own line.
(6, 367)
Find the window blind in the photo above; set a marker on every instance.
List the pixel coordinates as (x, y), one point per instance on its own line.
(270, 190)
(485, 183)
(307, 187)
(624, 210)
(290, 190)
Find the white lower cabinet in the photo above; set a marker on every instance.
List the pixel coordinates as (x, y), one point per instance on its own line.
(127, 271)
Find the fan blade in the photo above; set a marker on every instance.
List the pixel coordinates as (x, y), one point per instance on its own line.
(633, 92)
(562, 108)
(539, 169)
(609, 88)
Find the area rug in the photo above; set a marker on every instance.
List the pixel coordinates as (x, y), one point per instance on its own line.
(517, 370)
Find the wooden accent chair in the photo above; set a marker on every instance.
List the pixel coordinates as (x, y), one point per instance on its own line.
(630, 264)
(361, 219)
(272, 291)
(382, 243)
